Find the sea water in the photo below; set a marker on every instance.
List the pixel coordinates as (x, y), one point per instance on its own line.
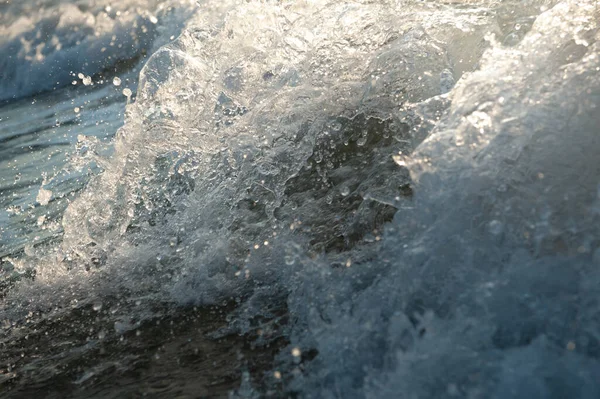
(389, 198)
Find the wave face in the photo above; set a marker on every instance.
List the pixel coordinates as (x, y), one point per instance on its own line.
(415, 183)
(46, 44)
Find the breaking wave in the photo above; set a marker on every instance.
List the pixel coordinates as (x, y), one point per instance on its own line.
(414, 184)
(46, 44)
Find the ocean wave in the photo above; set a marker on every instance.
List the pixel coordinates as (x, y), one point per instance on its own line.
(45, 45)
(413, 183)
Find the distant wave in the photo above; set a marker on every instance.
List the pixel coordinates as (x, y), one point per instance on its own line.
(47, 48)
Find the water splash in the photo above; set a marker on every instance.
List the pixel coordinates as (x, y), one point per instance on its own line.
(420, 197)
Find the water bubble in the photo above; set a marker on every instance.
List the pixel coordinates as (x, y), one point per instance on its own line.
(77, 109)
(511, 39)
(495, 227)
(127, 92)
(116, 81)
(97, 305)
(345, 191)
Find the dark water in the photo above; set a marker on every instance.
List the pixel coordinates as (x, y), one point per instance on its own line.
(300, 199)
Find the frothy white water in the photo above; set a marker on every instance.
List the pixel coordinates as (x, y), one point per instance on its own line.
(46, 44)
(426, 243)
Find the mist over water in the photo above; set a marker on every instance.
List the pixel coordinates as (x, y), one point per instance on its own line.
(388, 199)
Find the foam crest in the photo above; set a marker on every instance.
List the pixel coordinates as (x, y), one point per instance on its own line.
(45, 45)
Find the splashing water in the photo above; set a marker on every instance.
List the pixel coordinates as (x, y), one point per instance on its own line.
(406, 194)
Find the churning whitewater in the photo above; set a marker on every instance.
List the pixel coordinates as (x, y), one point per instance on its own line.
(383, 199)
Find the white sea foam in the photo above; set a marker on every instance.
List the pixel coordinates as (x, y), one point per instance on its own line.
(44, 43)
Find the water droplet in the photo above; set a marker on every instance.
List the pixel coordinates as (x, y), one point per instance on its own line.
(400, 160)
(44, 196)
(116, 81)
(127, 92)
(97, 306)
